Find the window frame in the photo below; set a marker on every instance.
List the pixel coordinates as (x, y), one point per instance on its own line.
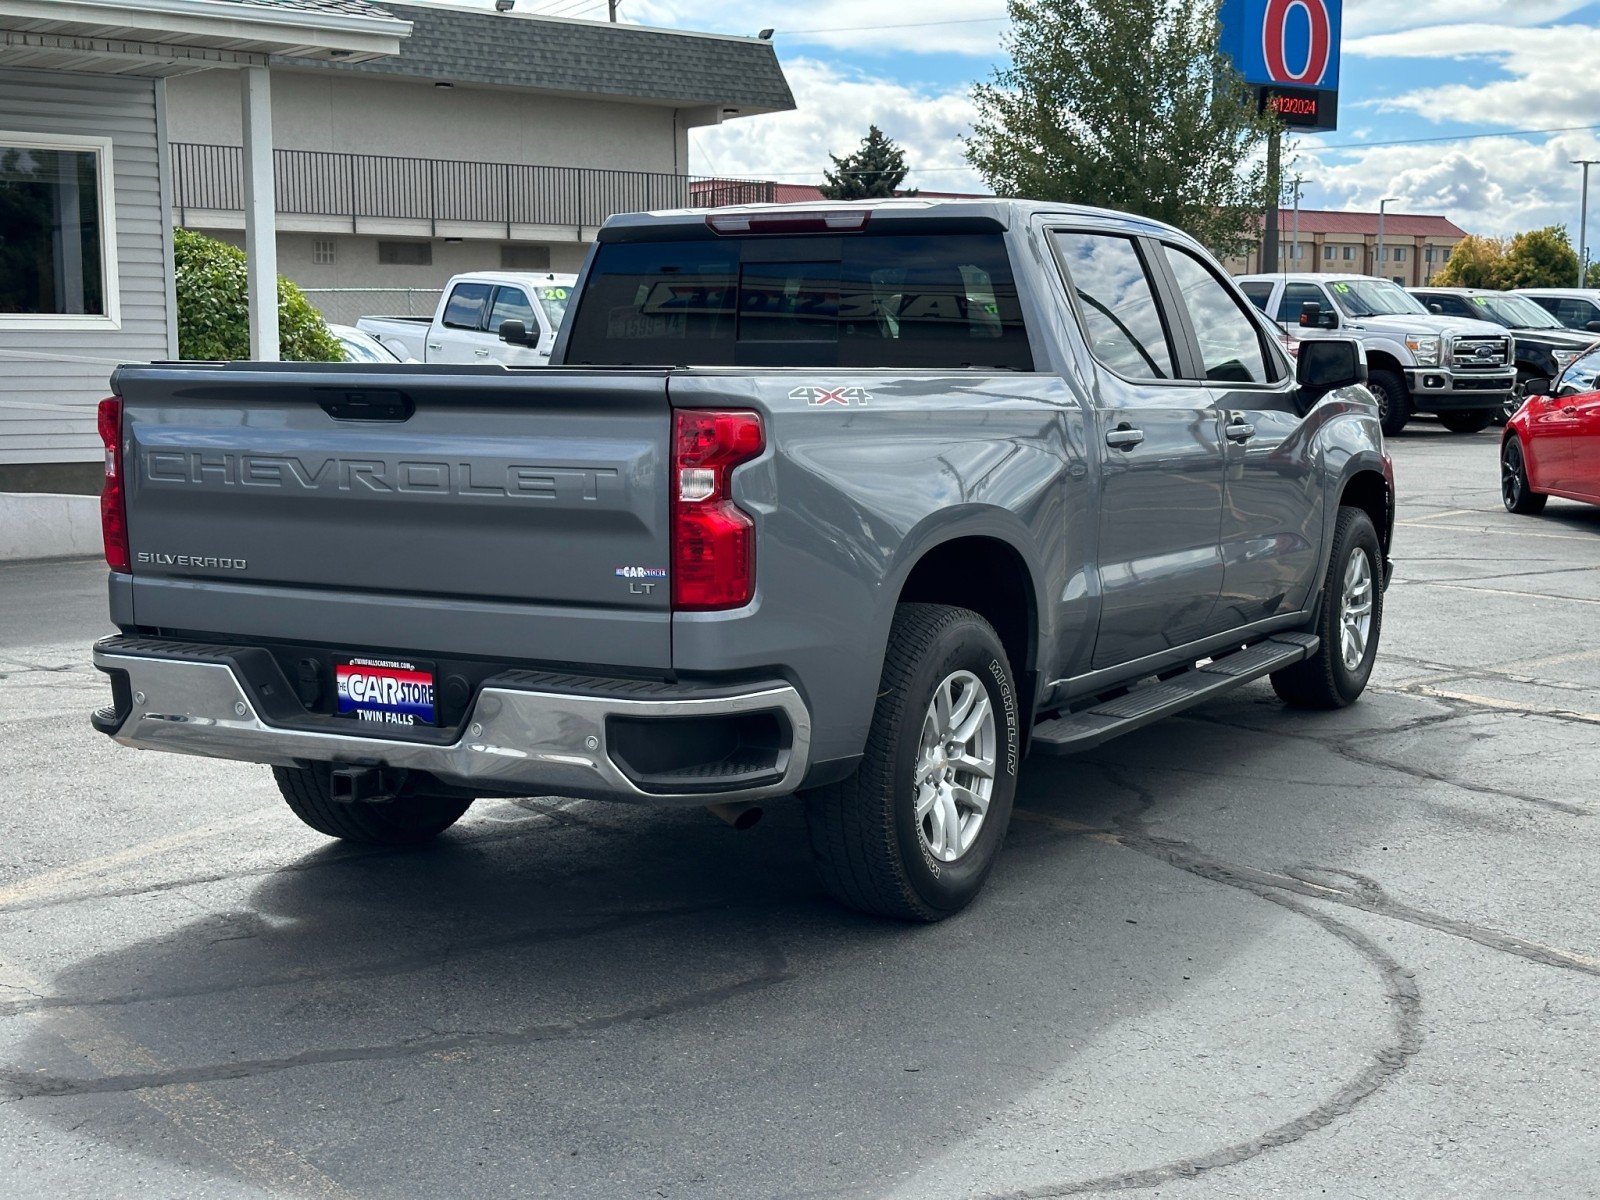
(1179, 344)
(483, 312)
(110, 288)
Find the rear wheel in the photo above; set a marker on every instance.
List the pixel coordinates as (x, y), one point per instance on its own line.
(1394, 402)
(1515, 493)
(915, 831)
(1349, 624)
(1470, 421)
(403, 821)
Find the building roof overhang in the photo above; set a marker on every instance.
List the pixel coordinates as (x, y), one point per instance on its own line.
(171, 37)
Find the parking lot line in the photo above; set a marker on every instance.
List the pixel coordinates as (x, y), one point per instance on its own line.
(1516, 533)
(43, 884)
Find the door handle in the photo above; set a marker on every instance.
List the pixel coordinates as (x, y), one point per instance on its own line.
(435, 345)
(481, 352)
(1124, 437)
(1240, 430)
(1571, 410)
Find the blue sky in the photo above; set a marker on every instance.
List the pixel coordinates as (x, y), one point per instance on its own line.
(1418, 69)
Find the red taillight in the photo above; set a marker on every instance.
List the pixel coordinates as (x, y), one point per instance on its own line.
(113, 502)
(713, 540)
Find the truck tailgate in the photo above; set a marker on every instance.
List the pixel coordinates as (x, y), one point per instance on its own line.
(436, 511)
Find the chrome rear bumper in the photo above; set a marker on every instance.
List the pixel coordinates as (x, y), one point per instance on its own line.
(518, 738)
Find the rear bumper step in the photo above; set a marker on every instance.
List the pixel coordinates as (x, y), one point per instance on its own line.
(525, 734)
(1085, 730)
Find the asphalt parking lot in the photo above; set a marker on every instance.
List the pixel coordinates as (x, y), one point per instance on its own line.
(1246, 952)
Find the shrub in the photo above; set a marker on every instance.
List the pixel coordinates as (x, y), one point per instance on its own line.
(213, 312)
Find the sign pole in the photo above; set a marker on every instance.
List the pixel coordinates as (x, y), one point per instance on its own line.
(1269, 235)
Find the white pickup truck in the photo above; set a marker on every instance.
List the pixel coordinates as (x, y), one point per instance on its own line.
(466, 327)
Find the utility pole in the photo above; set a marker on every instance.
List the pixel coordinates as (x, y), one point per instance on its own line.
(1294, 246)
(1269, 233)
(612, 4)
(1377, 267)
(1583, 222)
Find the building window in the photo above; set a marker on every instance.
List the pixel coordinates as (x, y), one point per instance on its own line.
(324, 253)
(57, 233)
(1329, 253)
(405, 254)
(524, 258)
(1349, 254)
(1399, 254)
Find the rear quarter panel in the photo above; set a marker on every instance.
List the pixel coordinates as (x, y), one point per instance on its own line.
(848, 497)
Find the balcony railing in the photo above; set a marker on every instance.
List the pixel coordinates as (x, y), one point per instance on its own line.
(327, 184)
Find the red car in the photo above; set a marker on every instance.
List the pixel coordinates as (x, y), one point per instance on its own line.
(1551, 447)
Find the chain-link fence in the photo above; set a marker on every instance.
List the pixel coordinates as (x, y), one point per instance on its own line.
(344, 306)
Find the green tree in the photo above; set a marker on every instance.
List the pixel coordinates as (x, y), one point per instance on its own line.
(1126, 104)
(876, 169)
(1476, 262)
(1592, 279)
(213, 312)
(1541, 258)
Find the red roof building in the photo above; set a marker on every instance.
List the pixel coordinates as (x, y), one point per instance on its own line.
(1414, 246)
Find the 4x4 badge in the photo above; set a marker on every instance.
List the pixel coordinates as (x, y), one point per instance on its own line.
(817, 396)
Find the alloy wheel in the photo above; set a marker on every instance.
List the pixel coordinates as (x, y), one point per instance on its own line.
(955, 769)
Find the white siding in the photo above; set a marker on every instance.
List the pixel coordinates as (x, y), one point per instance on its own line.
(50, 381)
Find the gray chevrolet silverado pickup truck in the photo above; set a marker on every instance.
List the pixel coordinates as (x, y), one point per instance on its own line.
(861, 503)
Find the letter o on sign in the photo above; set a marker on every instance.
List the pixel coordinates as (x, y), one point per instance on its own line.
(1275, 39)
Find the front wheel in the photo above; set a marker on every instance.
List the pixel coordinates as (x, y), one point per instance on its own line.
(1472, 420)
(403, 821)
(1515, 493)
(1394, 402)
(1349, 623)
(913, 833)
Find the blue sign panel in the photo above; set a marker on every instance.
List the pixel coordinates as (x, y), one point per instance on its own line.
(1289, 51)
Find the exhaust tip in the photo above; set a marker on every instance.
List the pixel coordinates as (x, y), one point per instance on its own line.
(740, 815)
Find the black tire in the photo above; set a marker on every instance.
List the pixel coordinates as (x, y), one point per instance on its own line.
(1323, 680)
(403, 821)
(1472, 420)
(1515, 493)
(1394, 402)
(871, 851)
(1513, 401)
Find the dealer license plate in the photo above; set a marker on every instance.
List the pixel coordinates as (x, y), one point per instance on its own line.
(385, 691)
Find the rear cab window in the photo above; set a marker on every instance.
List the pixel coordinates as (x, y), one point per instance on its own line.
(870, 299)
(1259, 292)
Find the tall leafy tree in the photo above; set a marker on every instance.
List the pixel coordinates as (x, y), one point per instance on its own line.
(1477, 262)
(1541, 258)
(876, 169)
(1125, 104)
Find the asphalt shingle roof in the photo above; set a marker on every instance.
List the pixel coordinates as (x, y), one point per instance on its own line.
(344, 8)
(581, 57)
(1313, 220)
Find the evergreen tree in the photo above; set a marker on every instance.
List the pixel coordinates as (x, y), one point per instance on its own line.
(1125, 104)
(876, 169)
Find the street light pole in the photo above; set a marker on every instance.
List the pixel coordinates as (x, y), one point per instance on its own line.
(1294, 252)
(1382, 204)
(1583, 222)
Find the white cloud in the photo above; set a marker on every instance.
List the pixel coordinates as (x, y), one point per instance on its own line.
(835, 108)
(886, 27)
(1363, 17)
(1491, 185)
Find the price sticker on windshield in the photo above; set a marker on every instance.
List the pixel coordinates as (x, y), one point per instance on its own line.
(1341, 287)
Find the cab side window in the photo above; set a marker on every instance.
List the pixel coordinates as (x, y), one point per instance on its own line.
(511, 304)
(1294, 296)
(1117, 300)
(1575, 314)
(1231, 346)
(1258, 292)
(466, 307)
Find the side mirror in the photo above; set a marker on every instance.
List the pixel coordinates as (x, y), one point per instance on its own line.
(1324, 364)
(1536, 387)
(516, 333)
(1593, 326)
(1310, 314)
(1436, 308)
